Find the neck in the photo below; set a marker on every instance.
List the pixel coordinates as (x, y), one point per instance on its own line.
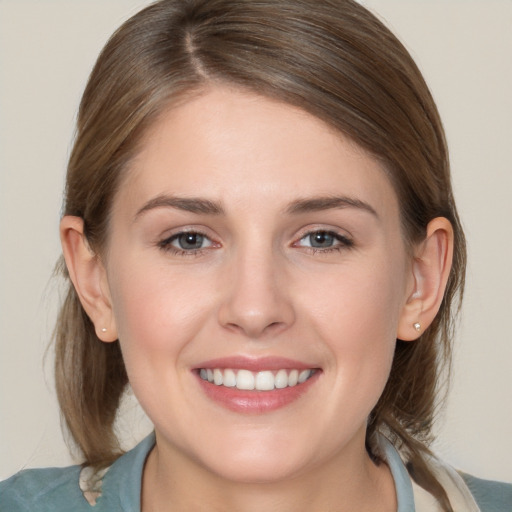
(342, 484)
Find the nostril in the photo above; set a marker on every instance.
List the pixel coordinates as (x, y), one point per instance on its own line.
(255, 330)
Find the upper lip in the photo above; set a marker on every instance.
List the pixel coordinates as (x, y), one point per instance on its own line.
(255, 364)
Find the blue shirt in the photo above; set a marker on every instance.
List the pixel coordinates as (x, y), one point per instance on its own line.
(58, 490)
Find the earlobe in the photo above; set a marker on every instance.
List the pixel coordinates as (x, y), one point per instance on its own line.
(89, 278)
(430, 271)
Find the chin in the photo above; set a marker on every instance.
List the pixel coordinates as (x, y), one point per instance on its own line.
(260, 459)
(256, 470)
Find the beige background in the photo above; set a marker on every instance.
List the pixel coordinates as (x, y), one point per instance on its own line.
(47, 48)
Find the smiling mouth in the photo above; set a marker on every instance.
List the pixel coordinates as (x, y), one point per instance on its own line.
(256, 381)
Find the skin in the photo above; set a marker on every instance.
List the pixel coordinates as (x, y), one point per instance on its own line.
(257, 288)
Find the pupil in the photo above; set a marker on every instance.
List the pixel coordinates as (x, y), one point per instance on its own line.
(190, 241)
(321, 239)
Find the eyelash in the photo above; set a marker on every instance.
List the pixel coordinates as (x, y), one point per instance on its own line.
(166, 244)
(344, 243)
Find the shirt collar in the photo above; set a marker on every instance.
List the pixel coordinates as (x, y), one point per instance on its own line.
(126, 475)
(403, 485)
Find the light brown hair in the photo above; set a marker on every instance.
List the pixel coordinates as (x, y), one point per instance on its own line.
(331, 58)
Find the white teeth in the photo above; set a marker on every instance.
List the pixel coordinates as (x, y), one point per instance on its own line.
(264, 381)
(229, 378)
(245, 380)
(281, 379)
(303, 376)
(217, 377)
(260, 381)
(293, 378)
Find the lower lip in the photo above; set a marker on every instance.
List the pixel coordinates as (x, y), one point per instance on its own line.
(255, 402)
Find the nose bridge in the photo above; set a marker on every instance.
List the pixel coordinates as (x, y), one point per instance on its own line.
(256, 300)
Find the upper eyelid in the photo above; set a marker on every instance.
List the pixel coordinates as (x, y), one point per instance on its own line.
(188, 231)
(339, 234)
(166, 241)
(336, 231)
(179, 233)
(166, 244)
(341, 242)
(321, 230)
(172, 233)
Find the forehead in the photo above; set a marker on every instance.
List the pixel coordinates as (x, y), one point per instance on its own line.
(230, 144)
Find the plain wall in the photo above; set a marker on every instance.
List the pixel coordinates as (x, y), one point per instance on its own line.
(47, 48)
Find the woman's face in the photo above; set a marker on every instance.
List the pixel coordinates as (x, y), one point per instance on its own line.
(253, 245)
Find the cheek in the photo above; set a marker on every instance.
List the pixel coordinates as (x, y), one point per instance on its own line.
(156, 310)
(357, 312)
(364, 300)
(157, 314)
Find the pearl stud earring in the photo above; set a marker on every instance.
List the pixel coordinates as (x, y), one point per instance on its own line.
(103, 329)
(417, 326)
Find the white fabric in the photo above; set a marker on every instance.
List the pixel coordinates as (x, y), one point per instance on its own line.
(423, 500)
(90, 483)
(413, 498)
(458, 493)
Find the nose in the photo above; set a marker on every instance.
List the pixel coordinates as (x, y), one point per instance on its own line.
(257, 300)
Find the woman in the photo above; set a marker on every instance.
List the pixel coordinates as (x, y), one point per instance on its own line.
(261, 238)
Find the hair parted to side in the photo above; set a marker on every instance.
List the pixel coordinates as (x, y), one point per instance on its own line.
(331, 58)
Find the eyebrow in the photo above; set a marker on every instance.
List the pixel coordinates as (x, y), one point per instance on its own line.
(188, 204)
(316, 204)
(207, 207)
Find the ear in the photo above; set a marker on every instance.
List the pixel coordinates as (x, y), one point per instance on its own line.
(430, 271)
(88, 276)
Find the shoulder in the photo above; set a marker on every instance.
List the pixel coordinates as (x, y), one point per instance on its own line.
(490, 496)
(73, 490)
(48, 489)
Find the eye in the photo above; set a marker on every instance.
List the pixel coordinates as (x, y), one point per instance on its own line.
(190, 241)
(324, 240)
(186, 242)
(320, 239)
